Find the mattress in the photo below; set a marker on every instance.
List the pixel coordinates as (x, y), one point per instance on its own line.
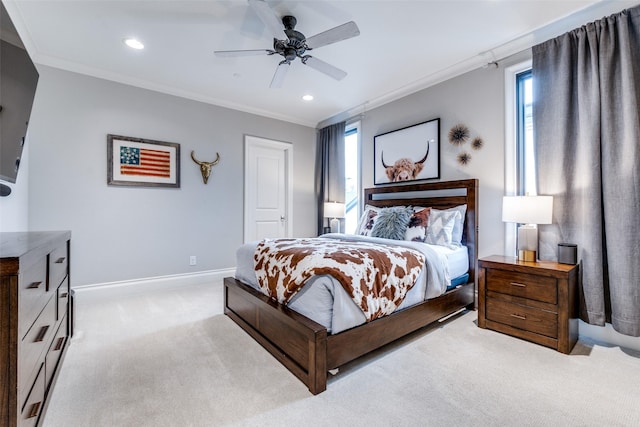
(323, 299)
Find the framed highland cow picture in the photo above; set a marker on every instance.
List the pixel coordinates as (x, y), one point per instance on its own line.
(408, 154)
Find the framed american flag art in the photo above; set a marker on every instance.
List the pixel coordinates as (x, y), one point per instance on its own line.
(142, 162)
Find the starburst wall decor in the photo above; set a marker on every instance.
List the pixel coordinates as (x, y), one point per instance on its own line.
(464, 158)
(458, 136)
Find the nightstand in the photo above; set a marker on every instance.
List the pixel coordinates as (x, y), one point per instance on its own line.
(535, 301)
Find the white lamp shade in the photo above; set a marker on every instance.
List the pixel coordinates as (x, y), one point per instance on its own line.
(334, 210)
(527, 209)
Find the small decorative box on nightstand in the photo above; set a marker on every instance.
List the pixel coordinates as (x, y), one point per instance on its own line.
(535, 301)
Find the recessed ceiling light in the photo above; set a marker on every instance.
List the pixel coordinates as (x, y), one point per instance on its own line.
(308, 97)
(134, 44)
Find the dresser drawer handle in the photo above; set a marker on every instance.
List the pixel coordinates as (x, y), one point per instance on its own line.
(34, 285)
(42, 333)
(520, 285)
(60, 260)
(35, 408)
(517, 316)
(64, 295)
(59, 344)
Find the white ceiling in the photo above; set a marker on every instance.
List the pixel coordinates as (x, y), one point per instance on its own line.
(403, 46)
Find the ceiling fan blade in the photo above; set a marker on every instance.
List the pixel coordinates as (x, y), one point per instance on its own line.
(233, 53)
(281, 72)
(268, 17)
(324, 67)
(341, 32)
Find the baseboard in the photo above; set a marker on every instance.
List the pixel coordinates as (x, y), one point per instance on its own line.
(607, 336)
(160, 282)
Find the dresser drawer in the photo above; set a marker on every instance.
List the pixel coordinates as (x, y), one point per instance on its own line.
(62, 296)
(522, 317)
(58, 263)
(32, 294)
(34, 402)
(529, 286)
(35, 344)
(55, 351)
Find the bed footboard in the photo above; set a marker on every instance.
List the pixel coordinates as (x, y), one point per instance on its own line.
(299, 343)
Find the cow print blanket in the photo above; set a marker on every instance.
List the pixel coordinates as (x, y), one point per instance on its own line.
(377, 277)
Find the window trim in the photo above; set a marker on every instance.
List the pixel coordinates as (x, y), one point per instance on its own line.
(510, 149)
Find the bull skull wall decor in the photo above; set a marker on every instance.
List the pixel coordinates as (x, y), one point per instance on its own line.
(205, 167)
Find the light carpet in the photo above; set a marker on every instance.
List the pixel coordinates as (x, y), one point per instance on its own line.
(169, 357)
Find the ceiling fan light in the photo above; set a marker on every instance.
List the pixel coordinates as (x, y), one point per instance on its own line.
(134, 43)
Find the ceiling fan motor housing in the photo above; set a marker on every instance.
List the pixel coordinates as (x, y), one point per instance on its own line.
(295, 45)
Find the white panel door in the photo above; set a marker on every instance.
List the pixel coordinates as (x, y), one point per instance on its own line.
(267, 189)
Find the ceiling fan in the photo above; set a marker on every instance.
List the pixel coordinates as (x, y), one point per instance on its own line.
(296, 45)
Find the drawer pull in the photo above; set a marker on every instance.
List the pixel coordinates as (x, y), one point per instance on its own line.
(34, 285)
(35, 408)
(59, 344)
(517, 316)
(520, 285)
(60, 260)
(42, 333)
(64, 295)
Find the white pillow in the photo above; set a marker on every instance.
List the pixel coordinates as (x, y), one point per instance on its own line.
(456, 237)
(440, 230)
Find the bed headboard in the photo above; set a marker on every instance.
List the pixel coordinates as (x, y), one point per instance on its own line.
(439, 195)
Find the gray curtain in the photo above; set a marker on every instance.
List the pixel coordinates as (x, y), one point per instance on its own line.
(587, 131)
(330, 173)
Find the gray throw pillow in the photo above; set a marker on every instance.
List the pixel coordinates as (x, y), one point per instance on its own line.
(392, 223)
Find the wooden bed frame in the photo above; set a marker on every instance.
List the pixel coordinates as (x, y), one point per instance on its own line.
(304, 346)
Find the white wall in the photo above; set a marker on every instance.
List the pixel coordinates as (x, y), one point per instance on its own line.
(14, 208)
(121, 233)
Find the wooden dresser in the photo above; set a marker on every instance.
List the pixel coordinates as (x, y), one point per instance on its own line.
(536, 301)
(34, 318)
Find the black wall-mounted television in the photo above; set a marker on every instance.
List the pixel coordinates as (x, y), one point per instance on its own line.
(18, 81)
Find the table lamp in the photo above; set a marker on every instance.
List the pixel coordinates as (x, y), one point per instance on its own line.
(528, 211)
(334, 210)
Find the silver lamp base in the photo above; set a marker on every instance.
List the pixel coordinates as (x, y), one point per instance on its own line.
(335, 225)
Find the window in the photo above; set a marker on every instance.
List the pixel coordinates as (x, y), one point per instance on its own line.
(352, 177)
(525, 156)
(519, 151)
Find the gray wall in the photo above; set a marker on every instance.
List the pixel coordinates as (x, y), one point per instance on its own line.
(475, 99)
(129, 233)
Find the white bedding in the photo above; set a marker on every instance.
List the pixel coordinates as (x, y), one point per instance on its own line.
(324, 300)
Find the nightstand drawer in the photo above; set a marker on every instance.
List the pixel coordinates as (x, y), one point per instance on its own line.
(522, 317)
(529, 286)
